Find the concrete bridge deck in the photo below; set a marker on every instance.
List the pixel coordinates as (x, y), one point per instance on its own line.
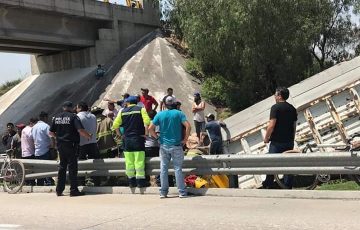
(91, 9)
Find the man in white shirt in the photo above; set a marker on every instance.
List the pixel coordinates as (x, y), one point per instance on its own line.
(43, 143)
(111, 108)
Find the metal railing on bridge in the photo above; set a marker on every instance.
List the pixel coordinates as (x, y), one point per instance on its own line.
(232, 164)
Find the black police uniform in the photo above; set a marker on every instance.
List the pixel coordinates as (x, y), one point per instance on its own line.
(66, 126)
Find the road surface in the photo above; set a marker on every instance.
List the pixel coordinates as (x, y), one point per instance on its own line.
(46, 211)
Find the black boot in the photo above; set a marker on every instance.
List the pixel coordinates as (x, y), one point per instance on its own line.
(141, 183)
(132, 182)
(76, 193)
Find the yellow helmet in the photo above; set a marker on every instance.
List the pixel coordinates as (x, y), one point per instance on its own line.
(201, 183)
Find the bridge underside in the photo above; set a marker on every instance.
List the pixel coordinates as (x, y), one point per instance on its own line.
(38, 32)
(31, 47)
(66, 34)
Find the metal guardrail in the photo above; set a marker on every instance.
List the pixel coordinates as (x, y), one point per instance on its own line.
(291, 163)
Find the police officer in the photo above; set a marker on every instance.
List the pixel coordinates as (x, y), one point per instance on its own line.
(66, 127)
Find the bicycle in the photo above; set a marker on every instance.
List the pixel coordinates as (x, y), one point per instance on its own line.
(309, 182)
(12, 173)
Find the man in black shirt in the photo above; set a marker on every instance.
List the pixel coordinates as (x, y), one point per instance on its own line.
(66, 127)
(281, 130)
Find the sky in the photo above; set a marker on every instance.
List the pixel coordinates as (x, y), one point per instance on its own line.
(14, 66)
(120, 2)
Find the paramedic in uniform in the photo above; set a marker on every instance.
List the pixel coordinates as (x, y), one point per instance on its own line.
(66, 127)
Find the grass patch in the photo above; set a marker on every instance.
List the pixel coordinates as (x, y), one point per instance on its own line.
(8, 85)
(224, 113)
(339, 185)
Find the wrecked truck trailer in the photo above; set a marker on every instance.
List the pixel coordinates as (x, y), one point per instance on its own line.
(328, 108)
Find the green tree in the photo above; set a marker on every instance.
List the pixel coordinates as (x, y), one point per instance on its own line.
(337, 33)
(357, 50)
(356, 7)
(7, 86)
(245, 49)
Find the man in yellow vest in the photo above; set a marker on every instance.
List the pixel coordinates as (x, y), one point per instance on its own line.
(134, 121)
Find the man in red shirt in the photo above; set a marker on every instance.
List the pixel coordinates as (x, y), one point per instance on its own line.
(148, 100)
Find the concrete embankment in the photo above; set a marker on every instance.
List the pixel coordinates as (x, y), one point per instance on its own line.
(157, 67)
(150, 62)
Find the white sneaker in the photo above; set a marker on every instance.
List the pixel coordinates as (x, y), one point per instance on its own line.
(163, 196)
(183, 196)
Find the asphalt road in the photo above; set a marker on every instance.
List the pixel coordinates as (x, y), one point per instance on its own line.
(46, 211)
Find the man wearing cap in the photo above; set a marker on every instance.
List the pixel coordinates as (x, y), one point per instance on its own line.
(170, 122)
(213, 128)
(148, 100)
(42, 142)
(133, 120)
(66, 127)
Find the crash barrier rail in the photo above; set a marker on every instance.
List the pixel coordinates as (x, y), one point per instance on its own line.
(230, 164)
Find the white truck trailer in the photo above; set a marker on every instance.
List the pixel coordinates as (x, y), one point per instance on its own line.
(328, 108)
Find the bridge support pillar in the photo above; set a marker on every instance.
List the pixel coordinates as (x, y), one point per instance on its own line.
(106, 47)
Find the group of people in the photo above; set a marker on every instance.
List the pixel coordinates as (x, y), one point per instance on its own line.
(148, 133)
(31, 141)
(135, 129)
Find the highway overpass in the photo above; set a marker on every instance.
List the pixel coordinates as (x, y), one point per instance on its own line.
(65, 34)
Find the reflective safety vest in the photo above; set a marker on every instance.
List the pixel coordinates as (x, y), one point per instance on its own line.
(104, 134)
(132, 121)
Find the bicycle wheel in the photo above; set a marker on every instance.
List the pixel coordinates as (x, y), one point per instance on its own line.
(299, 181)
(14, 176)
